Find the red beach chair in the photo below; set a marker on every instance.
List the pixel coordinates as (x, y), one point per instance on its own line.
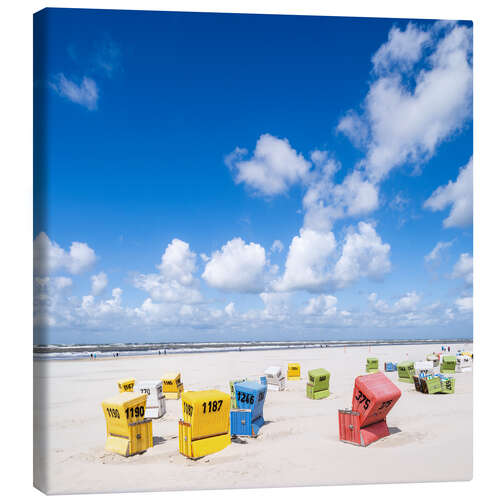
(373, 397)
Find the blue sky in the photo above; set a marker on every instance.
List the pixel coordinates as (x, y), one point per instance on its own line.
(219, 177)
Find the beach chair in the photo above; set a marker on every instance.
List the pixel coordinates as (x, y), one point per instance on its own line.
(155, 402)
(448, 364)
(406, 371)
(373, 398)
(464, 364)
(172, 385)
(126, 385)
(318, 385)
(390, 367)
(128, 431)
(371, 365)
(204, 427)
(275, 378)
(231, 390)
(434, 359)
(248, 417)
(293, 372)
(423, 368)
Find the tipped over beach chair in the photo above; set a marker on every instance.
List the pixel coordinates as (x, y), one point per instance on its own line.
(373, 398)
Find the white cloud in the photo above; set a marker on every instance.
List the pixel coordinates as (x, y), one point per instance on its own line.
(407, 303)
(273, 168)
(435, 253)
(464, 304)
(464, 268)
(99, 283)
(276, 306)
(104, 307)
(230, 309)
(50, 257)
(86, 93)
(277, 246)
(408, 117)
(175, 282)
(403, 49)
(237, 266)
(322, 305)
(178, 262)
(309, 262)
(363, 255)
(458, 194)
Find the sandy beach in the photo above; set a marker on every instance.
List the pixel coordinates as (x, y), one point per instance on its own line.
(431, 435)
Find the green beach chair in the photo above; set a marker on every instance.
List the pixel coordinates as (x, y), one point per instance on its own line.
(406, 371)
(318, 385)
(448, 364)
(371, 365)
(232, 391)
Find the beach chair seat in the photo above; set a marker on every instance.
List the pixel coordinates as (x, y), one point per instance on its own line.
(128, 431)
(448, 364)
(248, 418)
(371, 365)
(406, 371)
(293, 372)
(276, 381)
(155, 402)
(373, 397)
(318, 385)
(172, 385)
(464, 363)
(126, 384)
(204, 427)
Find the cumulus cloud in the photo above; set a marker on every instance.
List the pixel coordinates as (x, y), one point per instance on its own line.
(309, 263)
(99, 283)
(273, 168)
(321, 305)
(435, 253)
(363, 255)
(237, 267)
(50, 257)
(458, 194)
(464, 268)
(178, 262)
(104, 307)
(411, 107)
(175, 282)
(84, 93)
(230, 309)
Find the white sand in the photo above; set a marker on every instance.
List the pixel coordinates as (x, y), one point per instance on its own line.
(431, 436)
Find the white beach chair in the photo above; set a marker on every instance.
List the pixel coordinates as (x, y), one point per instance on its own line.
(424, 367)
(155, 402)
(464, 364)
(275, 378)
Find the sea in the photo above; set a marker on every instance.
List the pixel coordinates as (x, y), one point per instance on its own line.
(82, 351)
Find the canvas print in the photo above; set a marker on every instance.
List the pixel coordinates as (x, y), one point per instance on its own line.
(252, 250)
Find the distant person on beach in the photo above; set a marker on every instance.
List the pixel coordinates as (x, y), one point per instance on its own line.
(448, 348)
